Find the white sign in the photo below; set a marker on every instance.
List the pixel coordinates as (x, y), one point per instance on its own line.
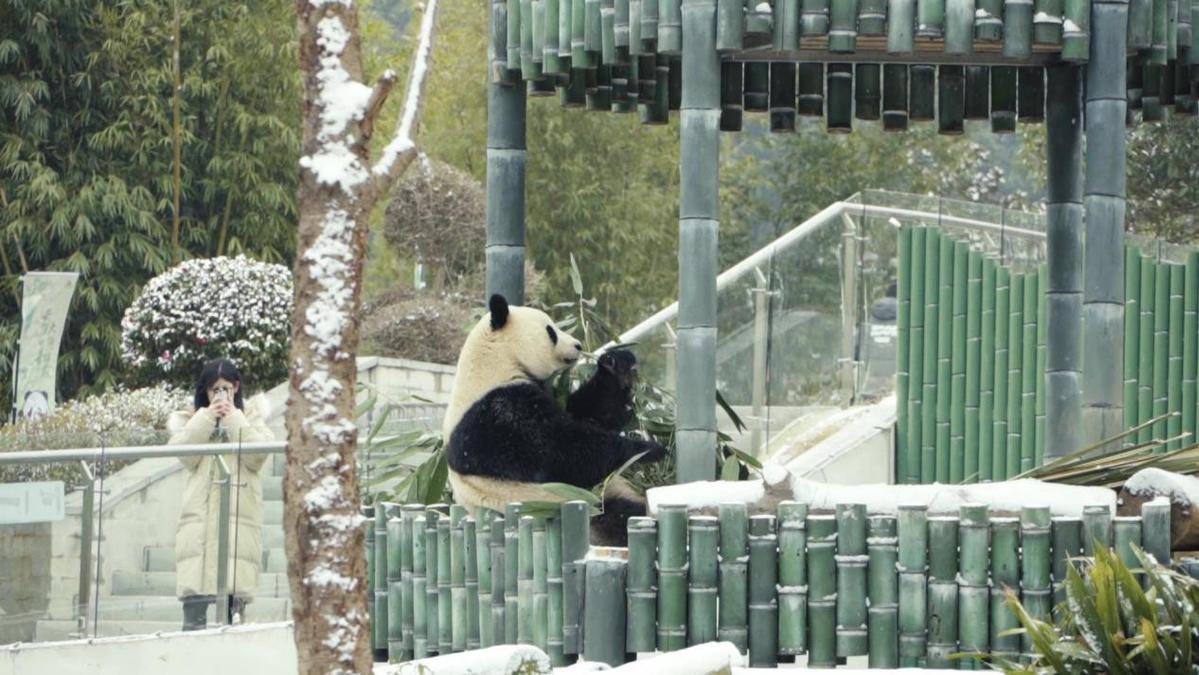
(32, 502)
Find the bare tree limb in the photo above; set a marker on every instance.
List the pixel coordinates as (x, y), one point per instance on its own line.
(373, 105)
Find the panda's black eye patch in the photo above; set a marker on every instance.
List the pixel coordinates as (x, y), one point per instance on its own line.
(552, 333)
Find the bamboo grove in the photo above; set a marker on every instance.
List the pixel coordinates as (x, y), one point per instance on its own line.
(972, 358)
(905, 589)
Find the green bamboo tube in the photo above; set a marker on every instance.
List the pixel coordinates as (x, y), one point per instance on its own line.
(843, 26)
(916, 359)
(672, 577)
(793, 578)
(408, 518)
(1126, 533)
(732, 75)
(988, 20)
(499, 582)
(420, 612)
(552, 61)
(608, 32)
(1161, 349)
(1005, 576)
(1190, 347)
(649, 26)
(620, 30)
(973, 601)
(782, 96)
(513, 16)
(811, 89)
(1148, 305)
(822, 590)
(395, 592)
(647, 82)
(553, 580)
(957, 397)
(901, 19)
(514, 619)
(1140, 24)
(913, 604)
(872, 17)
(1096, 528)
(498, 48)
(1003, 99)
(598, 95)
(670, 27)
(851, 562)
(1036, 566)
(730, 24)
(657, 108)
(959, 26)
(1030, 83)
(814, 17)
(932, 323)
(604, 608)
(483, 564)
(537, 47)
(593, 28)
(786, 25)
(457, 578)
(922, 95)
(1047, 21)
(1003, 288)
(576, 528)
(445, 599)
(986, 374)
(1017, 28)
(1174, 368)
(930, 18)
(758, 23)
(883, 592)
(840, 97)
(978, 92)
(1161, 27)
(703, 533)
(524, 581)
(530, 68)
(1039, 401)
(376, 547)
(541, 599)
(471, 581)
(903, 340)
(733, 605)
(642, 599)
(973, 366)
(1184, 103)
(951, 99)
(867, 87)
(432, 583)
(1076, 31)
(895, 97)
(1028, 387)
(942, 591)
(1155, 530)
(763, 602)
(757, 86)
(1132, 334)
(1152, 109)
(1067, 545)
(565, 34)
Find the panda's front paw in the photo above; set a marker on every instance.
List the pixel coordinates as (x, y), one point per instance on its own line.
(653, 452)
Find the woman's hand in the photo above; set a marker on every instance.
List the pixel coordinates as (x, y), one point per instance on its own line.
(220, 409)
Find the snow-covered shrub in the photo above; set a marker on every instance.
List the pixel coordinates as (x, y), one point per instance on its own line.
(207, 308)
(117, 418)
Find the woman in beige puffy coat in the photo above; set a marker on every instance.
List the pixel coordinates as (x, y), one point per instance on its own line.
(220, 415)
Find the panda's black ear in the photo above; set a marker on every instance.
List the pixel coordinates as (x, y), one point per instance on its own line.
(499, 311)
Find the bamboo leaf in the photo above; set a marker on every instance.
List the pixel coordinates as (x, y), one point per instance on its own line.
(576, 279)
(571, 492)
(731, 469)
(728, 410)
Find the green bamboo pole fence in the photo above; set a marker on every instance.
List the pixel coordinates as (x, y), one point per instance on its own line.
(1003, 99)
(843, 26)
(959, 26)
(872, 17)
(988, 20)
(1155, 530)
(1151, 94)
(957, 397)
(932, 294)
(1161, 348)
(1132, 334)
(1042, 330)
(1028, 371)
(763, 603)
(1067, 544)
(895, 96)
(575, 537)
(378, 574)
(445, 600)
(978, 92)
(1036, 566)
(1103, 302)
(1148, 305)
(1140, 24)
(814, 17)
(922, 92)
(458, 602)
(883, 592)
(395, 591)
(699, 220)
(822, 590)
(1030, 106)
(512, 36)
(604, 611)
(420, 612)
(1015, 377)
(793, 577)
(515, 622)
(987, 370)
(1096, 528)
(1002, 319)
(973, 601)
(912, 531)
(499, 583)
(811, 90)
(703, 536)
(607, 31)
(733, 608)
(1047, 21)
(901, 19)
(1017, 28)
(649, 26)
(942, 591)
(867, 86)
(944, 379)
(541, 599)
(1174, 368)
(1126, 533)
(1190, 346)
(670, 27)
(368, 525)
(973, 365)
(471, 581)
(1005, 576)
(902, 358)
(916, 359)
(930, 18)
(432, 583)
(851, 559)
(620, 30)
(730, 24)
(672, 577)
(640, 635)
(530, 69)
(1076, 31)
(505, 210)
(408, 517)
(557, 40)
(482, 601)
(593, 41)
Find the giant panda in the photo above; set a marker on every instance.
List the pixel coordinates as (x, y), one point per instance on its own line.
(505, 433)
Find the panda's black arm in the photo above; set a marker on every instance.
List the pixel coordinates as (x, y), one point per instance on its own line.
(602, 400)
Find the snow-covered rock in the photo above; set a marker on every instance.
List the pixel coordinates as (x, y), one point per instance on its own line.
(1181, 490)
(500, 660)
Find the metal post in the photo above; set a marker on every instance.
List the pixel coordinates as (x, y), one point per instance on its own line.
(222, 542)
(849, 307)
(699, 220)
(505, 176)
(85, 551)
(1104, 200)
(761, 294)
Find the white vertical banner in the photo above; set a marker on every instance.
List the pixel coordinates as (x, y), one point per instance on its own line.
(45, 299)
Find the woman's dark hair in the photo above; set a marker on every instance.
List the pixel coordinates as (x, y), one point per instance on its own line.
(218, 369)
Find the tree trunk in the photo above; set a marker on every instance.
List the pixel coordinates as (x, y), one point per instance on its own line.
(338, 188)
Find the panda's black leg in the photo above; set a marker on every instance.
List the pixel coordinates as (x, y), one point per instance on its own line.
(610, 528)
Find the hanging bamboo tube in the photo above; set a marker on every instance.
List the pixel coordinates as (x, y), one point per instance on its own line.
(973, 366)
(903, 341)
(811, 90)
(1047, 21)
(1036, 566)
(408, 518)
(782, 96)
(901, 19)
(872, 17)
(540, 585)
(988, 20)
(1003, 99)
(1126, 533)
(1155, 530)
(867, 91)
(432, 583)
(1067, 544)
(895, 97)
(731, 86)
(944, 357)
(942, 591)
(973, 601)
(932, 323)
(930, 18)
(1140, 24)
(851, 559)
(457, 580)
(445, 599)
(757, 86)
(883, 593)
(1030, 83)
(814, 17)
(732, 607)
(649, 26)
(563, 36)
(922, 96)
(793, 578)
(843, 26)
(987, 370)
(978, 92)
(642, 599)
(420, 612)
(593, 29)
(1132, 334)
(1005, 576)
(1028, 372)
(959, 26)
(1158, 55)
(703, 533)
(916, 359)
(530, 17)
(1042, 331)
(620, 31)
(951, 99)
(1017, 28)
(913, 557)
(730, 24)
(670, 27)
(822, 588)
(1174, 369)
(1161, 348)
(1148, 305)
(786, 25)
(553, 580)
(499, 583)
(1152, 109)
(672, 577)
(1076, 31)
(1190, 347)
(1002, 334)
(840, 97)
(395, 591)
(513, 17)
(957, 410)
(575, 537)
(1096, 528)
(763, 603)
(604, 608)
